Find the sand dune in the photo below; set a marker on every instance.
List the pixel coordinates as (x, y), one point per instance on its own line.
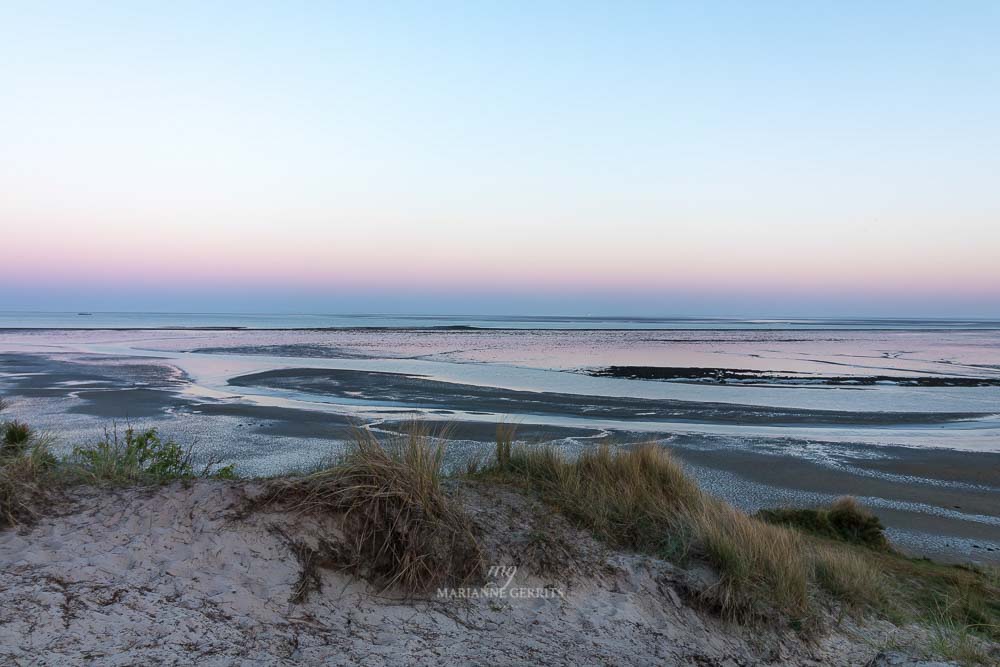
(180, 573)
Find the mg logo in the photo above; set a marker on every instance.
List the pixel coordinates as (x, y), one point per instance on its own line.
(501, 573)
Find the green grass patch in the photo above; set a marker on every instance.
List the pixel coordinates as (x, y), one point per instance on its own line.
(14, 437)
(137, 457)
(845, 520)
(131, 457)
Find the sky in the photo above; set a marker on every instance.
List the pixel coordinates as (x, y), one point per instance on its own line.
(563, 158)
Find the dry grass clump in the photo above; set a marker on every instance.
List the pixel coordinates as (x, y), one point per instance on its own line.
(639, 500)
(764, 570)
(505, 444)
(400, 527)
(850, 576)
(25, 465)
(25, 480)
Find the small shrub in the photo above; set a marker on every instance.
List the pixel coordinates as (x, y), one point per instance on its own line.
(15, 437)
(225, 472)
(139, 456)
(845, 520)
(856, 524)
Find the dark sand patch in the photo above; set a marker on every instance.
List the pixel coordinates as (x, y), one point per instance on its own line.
(304, 350)
(793, 472)
(745, 376)
(113, 387)
(486, 432)
(942, 464)
(283, 422)
(126, 403)
(417, 391)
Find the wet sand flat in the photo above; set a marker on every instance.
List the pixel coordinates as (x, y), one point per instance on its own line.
(423, 392)
(936, 501)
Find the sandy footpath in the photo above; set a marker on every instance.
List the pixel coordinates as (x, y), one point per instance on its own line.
(179, 574)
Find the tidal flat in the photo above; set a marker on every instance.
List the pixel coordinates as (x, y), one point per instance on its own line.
(924, 455)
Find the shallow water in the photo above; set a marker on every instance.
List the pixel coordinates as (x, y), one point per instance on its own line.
(552, 361)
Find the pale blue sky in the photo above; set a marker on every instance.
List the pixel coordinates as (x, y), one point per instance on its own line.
(649, 158)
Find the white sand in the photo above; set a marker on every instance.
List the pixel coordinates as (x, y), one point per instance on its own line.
(175, 576)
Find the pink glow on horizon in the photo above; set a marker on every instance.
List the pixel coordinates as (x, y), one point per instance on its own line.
(109, 263)
(770, 157)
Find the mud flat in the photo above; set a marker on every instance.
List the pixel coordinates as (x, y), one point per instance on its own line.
(746, 376)
(935, 501)
(410, 390)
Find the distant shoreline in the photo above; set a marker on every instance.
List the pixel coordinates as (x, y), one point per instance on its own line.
(473, 329)
(128, 321)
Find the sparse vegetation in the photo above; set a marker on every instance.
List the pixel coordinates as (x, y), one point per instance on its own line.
(30, 475)
(401, 528)
(505, 444)
(135, 456)
(953, 640)
(639, 498)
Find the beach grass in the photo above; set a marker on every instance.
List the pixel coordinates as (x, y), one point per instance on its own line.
(401, 528)
(640, 499)
(789, 567)
(26, 474)
(14, 437)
